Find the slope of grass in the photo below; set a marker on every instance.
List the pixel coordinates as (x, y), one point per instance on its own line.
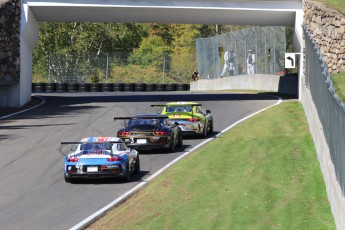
(339, 84)
(335, 4)
(263, 174)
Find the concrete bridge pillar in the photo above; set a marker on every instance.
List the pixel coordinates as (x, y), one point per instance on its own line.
(29, 29)
(17, 41)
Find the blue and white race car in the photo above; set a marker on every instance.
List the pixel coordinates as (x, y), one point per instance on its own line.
(100, 157)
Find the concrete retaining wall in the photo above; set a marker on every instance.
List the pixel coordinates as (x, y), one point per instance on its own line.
(276, 83)
(334, 193)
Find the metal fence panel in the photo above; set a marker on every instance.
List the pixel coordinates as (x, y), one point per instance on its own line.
(267, 43)
(120, 67)
(330, 108)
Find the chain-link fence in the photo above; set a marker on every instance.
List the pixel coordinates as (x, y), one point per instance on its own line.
(330, 108)
(120, 67)
(268, 44)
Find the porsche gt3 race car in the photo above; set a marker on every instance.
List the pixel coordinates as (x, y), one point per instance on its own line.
(101, 157)
(150, 131)
(190, 116)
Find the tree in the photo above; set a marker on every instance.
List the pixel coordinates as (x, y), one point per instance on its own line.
(74, 49)
(152, 52)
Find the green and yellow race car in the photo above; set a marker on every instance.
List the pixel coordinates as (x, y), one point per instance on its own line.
(190, 116)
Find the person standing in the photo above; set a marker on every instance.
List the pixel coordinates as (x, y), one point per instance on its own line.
(232, 63)
(195, 75)
(250, 62)
(226, 63)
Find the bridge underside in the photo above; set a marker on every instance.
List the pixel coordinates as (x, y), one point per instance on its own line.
(223, 12)
(251, 12)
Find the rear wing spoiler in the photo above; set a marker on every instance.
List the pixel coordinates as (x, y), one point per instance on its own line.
(176, 105)
(140, 117)
(89, 142)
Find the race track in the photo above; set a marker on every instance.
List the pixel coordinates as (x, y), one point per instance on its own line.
(33, 192)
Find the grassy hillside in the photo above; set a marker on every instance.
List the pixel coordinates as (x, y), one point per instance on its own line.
(263, 174)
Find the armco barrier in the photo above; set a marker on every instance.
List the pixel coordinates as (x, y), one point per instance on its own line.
(106, 87)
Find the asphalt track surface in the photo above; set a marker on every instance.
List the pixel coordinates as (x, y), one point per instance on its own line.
(33, 192)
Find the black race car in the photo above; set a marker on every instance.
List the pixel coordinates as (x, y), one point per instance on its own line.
(150, 131)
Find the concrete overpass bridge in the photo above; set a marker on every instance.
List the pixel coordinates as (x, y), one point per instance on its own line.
(231, 12)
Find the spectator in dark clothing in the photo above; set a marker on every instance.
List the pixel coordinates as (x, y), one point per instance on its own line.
(195, 75)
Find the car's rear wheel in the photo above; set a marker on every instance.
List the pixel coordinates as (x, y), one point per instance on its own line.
(204, 133)
(127, 174)
(67, 178)
(211, 127)
(180, 140)
(137, 166)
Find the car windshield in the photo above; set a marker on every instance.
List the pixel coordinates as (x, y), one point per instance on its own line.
(179, 108)
(95, 147)
(143, 124)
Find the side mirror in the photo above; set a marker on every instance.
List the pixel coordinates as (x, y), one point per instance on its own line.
(208, 111)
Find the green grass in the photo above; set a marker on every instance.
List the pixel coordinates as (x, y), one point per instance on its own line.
(335, 4)
(339, 84)
(262, 174)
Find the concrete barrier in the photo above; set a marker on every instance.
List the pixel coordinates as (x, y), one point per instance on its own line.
(282, 84)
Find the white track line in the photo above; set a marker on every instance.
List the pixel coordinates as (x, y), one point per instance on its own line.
(83, 224)
(10, 115)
